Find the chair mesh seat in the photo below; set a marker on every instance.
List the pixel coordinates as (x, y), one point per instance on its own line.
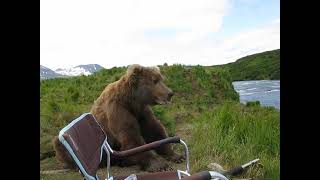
(84, 140)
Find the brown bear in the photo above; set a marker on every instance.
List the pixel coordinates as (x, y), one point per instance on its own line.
(123, 109)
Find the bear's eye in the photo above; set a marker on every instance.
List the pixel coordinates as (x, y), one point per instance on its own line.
(155, 81)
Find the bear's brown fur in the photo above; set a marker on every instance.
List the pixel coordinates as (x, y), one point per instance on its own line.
(123, 109)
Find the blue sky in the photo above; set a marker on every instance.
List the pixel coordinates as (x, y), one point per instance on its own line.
(245, 14)
(152, 32)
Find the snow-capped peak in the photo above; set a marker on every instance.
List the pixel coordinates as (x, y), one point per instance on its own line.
(75, 71)
(47, 73)
(79, 70)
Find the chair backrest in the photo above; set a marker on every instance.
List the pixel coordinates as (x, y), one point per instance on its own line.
(84, 139)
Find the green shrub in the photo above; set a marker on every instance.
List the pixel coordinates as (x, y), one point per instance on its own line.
(253, 103)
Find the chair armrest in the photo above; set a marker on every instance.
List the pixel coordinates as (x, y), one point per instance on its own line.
(146, 147)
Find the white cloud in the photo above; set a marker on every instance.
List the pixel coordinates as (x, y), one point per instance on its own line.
(111, 33)
(253, 41)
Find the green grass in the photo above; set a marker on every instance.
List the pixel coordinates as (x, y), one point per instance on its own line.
(234, 134)
(259, 66)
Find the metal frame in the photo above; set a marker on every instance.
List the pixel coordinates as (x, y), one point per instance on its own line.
(108, 149)
(181, 173)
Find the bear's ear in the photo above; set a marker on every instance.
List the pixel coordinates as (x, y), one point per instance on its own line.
(155, 69)
(134, 69)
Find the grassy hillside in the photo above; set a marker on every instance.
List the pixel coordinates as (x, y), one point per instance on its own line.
(63, 99)
(205, 111)
(259, 66)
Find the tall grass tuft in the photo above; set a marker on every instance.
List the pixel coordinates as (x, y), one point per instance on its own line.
(233, 134)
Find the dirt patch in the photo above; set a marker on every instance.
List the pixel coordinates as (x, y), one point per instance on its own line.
(119, 171)
(60, 173)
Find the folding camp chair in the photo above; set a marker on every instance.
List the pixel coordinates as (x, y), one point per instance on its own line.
(85, 140)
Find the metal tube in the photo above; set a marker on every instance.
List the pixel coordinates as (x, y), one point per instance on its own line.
(108, 146)
(187, 155)
(249, 163)
(145, 147)
(108, 161)
(217, 176)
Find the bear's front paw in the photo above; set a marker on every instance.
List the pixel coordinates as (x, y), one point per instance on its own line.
(126, 163)
(156, 166)
(176, 158)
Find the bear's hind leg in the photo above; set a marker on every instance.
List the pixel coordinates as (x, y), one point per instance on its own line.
(62, 155)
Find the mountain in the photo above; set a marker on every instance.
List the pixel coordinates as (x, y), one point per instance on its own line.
(46, 73)
(260, 66)
(80, 70)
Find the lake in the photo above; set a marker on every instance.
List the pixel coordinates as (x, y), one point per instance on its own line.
(265, 91)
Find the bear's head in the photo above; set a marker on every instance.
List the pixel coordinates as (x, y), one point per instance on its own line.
(148, 86)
